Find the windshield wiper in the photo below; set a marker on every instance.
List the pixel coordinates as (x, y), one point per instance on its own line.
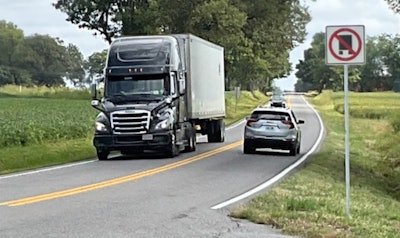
(116, 97)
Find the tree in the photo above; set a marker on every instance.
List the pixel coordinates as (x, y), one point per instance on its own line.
(74, 66)
(394, 5)
(382, 63)
(221, 23)
(390, 48)
(93, 15)
(273, 27)
(11, 39)
(258, 33)
(380, 71)
(46, 60)
(95, 65)
(111, 18)
(313, 72)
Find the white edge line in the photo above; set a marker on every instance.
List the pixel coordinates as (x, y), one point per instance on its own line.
(281, 174)
(45, 169)
(37, 171)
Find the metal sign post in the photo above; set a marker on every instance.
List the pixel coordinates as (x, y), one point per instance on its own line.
(346, 138)
(237, 95)
(345, 45)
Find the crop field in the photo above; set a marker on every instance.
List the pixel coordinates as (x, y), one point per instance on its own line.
(41, 116)
(374, 105)
(28, 121)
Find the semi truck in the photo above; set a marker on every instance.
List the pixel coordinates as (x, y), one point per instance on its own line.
(158, 92)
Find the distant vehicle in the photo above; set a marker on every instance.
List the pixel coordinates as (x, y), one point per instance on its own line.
(277, 100)
(274, 128)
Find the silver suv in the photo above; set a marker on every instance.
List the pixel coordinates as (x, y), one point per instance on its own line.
(274, 128)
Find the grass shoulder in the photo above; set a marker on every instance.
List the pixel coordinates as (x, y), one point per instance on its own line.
(311, 203)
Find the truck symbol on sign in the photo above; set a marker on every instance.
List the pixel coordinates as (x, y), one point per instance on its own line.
(345, 44)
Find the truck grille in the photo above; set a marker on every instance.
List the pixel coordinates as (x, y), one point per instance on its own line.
(130, 121)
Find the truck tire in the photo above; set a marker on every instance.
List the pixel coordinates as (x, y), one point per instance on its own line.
(192, 143)
(216, 132)
(172, 151)
(173, 148)
(102, 154)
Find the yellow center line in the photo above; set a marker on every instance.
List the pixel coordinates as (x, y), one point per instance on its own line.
(110, 182)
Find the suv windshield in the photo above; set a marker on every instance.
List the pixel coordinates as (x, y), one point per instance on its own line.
(270, 115)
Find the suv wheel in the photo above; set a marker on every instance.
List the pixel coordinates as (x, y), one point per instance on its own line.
(248, 148)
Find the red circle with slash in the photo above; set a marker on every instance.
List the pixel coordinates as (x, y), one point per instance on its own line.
(354, 53)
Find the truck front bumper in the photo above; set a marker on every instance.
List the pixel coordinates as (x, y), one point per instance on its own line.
(132, 143)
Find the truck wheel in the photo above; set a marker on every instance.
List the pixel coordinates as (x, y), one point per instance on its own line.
(102, 154)
(216, 132)
(192, 143)
(172, 151)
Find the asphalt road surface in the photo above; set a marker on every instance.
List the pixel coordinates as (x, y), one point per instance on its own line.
(147, 196)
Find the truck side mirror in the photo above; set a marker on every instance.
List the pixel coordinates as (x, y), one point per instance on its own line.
(182, 82)
(182, 86)
(93, 91)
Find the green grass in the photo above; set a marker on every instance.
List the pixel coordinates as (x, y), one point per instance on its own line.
(311, 202)
(19, 158)
(241, 107)
(42, 127)
(30, 121)
(44, 92)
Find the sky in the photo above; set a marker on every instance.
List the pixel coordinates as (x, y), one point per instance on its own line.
(40, 17)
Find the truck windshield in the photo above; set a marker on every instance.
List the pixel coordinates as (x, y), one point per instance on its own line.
(138, 50)
(143, 85)
(144, 51)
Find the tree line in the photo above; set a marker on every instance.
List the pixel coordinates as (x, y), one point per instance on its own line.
(257, 34)
(43, 60)
(381, 71)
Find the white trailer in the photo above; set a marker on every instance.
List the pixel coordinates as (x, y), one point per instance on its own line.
(205, 79)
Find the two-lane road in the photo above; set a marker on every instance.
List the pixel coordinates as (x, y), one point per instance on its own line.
(186, 196)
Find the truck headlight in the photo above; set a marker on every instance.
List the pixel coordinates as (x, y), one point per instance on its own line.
(100, 127)
(164, 124)
(165, 119)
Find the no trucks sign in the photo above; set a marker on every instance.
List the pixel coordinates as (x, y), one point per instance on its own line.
(345, 45)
